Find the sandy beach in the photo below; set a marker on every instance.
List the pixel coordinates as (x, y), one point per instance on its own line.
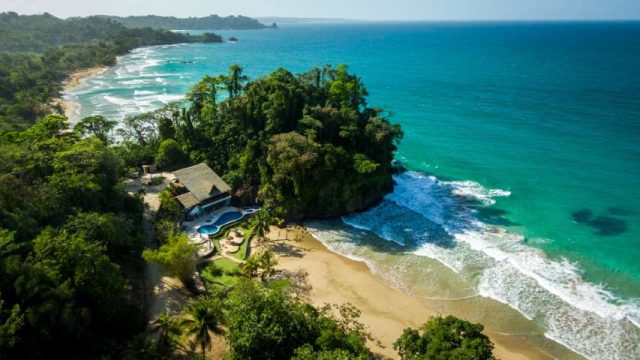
(74, 80)
(385, 311)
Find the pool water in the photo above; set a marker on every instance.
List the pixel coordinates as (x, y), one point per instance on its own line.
(209, 229)
(224, 219)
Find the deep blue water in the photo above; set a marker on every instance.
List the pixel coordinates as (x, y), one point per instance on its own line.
(524, 139)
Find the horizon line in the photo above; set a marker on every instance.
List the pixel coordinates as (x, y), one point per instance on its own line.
(256, 17)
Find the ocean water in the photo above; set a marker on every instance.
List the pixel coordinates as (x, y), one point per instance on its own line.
(523, 145)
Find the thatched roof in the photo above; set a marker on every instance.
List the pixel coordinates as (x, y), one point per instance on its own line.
(187, 200)
(202, 183)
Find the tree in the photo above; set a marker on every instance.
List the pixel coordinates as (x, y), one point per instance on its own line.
(203, 96)
(11, 321)
(268, 324)
(178, 255)
(203, 317)
(262, 266)
(167, 330)
(260, 223)
(170, 209)
(234, 81)
(265, 324)
(170, 155)
(291, 157)
(97, 126)
(445, 338)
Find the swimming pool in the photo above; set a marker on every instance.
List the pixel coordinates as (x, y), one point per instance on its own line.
(224, 219)
(208, 229)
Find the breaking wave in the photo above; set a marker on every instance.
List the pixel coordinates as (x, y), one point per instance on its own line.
(439, 219)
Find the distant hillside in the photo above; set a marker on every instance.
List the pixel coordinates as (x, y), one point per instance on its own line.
(211, 22)
(39, 32)
(37, 52)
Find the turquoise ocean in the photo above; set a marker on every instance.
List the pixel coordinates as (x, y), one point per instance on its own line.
(521, 206)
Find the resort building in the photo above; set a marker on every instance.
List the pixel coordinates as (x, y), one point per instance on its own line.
(202, 190)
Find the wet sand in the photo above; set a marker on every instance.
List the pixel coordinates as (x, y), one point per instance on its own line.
(74, 80)
(385, 311)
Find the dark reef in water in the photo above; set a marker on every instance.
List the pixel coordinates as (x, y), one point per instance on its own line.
(608, 226)
(604, 225)
(582, 216)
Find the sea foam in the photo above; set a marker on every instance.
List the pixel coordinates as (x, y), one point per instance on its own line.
(438, 219)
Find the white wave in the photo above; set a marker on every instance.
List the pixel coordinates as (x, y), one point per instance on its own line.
(553, 292)
(416, 192)
(149, 63)
(116, 100)
(143, 92)
(585, 332)
(132, 82)
(475, 191)
(167, 98)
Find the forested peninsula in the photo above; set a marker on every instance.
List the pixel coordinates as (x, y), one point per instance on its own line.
(211, 22)
(307, 145)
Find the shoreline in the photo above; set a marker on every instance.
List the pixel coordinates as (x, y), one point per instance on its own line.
(337, 279)
(75, 79)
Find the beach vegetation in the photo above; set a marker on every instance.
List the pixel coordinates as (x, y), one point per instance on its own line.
(167, 331)
(202, 318)
(445, 338)
(262, 266)
(260, 223)
(265, 323)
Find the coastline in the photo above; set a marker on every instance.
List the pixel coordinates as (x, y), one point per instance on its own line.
(336, 279)
(75, 79)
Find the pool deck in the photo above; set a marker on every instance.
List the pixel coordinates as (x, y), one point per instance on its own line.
(191, 227)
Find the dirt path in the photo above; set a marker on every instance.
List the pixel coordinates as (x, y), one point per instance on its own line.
(164, 292)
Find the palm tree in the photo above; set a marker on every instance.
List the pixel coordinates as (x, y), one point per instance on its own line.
(234, 80)
(260, 223)
(167, 329)
(203, 317)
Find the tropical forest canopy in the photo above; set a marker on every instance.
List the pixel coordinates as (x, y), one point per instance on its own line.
(70, 246)
(72, 240)
(305, 145)
(211, 22)
(37, 53)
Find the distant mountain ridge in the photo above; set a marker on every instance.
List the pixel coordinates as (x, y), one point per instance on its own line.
(211, 22)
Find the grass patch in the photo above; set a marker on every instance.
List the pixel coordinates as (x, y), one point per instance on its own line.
(227, 265)
(220, 274)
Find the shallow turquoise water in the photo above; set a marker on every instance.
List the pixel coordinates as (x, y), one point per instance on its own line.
(547, 115)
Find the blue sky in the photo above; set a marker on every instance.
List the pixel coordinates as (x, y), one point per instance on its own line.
(352, 9)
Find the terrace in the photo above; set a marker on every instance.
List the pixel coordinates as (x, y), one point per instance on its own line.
(202, 229)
